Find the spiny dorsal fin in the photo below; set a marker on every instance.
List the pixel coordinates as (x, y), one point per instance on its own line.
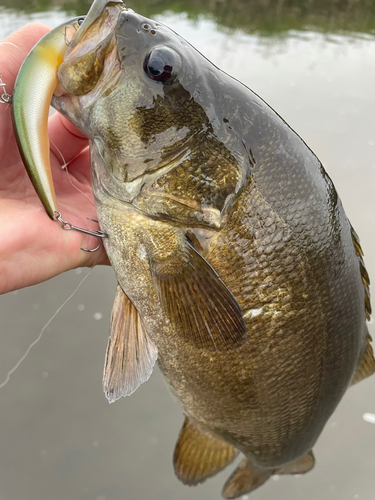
(299, 466)
(247, 477)
(199, 455)
(364, 274)
(197, 302)
(131, 354)
(366, 366)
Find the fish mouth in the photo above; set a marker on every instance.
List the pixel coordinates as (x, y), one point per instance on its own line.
(104, 14)
(84, 60)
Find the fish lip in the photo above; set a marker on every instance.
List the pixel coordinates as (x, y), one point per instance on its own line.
(96, 10)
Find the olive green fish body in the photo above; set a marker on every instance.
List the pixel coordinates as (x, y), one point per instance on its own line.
(270, 397)
(237, 266)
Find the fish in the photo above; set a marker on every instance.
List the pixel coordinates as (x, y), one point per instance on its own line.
(35, 84)
(238, 270)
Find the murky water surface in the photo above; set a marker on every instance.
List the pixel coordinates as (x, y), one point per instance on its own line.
(59, 438)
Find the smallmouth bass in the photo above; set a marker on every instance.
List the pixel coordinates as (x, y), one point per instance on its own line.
(237, 266)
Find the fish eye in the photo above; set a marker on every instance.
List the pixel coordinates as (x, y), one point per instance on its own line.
(162, 64)
(80, 21)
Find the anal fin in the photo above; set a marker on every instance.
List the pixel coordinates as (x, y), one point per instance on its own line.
(246, 478)
(199, 455)
(131, 354)
(366, 366)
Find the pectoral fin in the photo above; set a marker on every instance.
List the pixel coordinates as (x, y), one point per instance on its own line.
(131, 354)
(199, 455)
(197, 302)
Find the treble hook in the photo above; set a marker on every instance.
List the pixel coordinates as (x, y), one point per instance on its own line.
(99, 235)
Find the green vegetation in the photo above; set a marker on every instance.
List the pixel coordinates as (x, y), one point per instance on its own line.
(264, 17)
(270, 17)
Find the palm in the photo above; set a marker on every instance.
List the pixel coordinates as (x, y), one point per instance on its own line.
(34, 248)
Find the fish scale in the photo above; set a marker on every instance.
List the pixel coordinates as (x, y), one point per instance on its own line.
(236, 264)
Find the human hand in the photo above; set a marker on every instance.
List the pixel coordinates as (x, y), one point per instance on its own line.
(33, 248)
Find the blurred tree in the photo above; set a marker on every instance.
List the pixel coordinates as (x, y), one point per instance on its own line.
(264, 17)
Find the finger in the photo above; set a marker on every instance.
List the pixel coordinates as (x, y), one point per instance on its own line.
(66, 141)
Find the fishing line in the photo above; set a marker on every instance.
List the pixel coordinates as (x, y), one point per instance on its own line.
(64, 166)
(76, 187)
(64, 163)
(4, 383)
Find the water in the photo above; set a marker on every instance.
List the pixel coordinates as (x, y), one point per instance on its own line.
(59, 438)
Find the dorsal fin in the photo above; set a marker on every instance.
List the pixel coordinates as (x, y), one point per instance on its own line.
(366, 366)
(131, 354)
(199, 455)
(364, 274)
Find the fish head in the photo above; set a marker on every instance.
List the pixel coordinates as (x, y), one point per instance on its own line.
(156, 111)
